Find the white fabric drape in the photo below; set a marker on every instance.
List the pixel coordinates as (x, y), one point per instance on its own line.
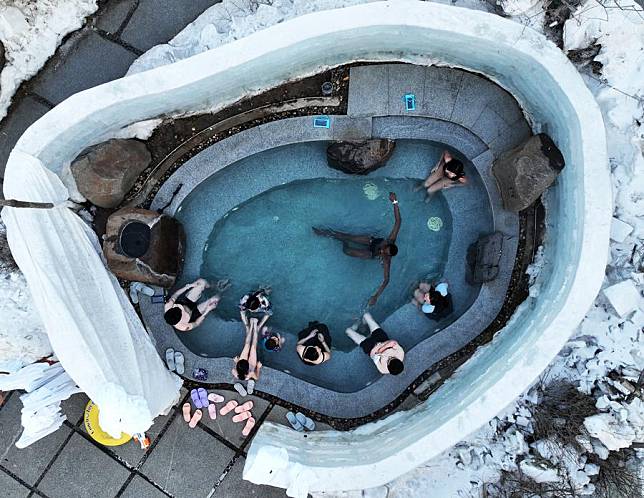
(92, 327)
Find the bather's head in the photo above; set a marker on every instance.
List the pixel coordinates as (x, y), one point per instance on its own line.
(311, 354)
(272, 343)
(390, 249)
(242, 368)
(395, 366)
(253, 302)
(173, 315)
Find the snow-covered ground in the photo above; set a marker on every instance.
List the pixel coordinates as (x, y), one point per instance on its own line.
(30, 32)
(610, 337)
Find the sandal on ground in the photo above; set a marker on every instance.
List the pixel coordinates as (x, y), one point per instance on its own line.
(246, 407)
(179, 362)
(241, 417)
(250, 423)
(195, 419)
(228, 407)
(212, 411)
(308, 424)
(203, 397)
(240, 389)
(250, 387)
(169, 359)
(194, 395)
(186, 411)
(215, 398)
(295, 423)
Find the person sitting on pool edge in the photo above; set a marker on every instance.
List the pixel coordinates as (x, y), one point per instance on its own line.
(246, 366)
(387, 355)
(448, 172)
(182, 310)
(435, 301)
(314, 344)
(256, 303)
(369, 247)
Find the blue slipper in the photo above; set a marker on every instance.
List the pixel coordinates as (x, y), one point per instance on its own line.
(308, 424)
(295, 423)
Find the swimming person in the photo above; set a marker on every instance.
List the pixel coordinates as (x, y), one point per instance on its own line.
(246, 366)
(272, 341)
(435, 301)
(447, 173)
(368, 247)
(256, 303)
(387, 355)
(314, 344)
(182, 310)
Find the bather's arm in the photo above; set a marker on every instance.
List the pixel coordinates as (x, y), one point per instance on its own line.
(396, 229)
(385, 282)
(176, 295)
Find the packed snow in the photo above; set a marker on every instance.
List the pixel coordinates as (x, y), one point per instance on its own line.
(30, 32)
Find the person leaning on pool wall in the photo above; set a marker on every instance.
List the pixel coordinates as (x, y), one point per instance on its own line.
(314, 344)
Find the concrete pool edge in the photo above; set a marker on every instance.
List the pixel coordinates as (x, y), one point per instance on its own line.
(429, 351)
(580, 208)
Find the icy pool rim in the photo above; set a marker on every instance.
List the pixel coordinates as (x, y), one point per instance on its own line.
(580, 207)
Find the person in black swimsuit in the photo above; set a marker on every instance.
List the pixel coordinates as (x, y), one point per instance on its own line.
(368, 247)
(448, 172)
(183, 311)
(314, 344)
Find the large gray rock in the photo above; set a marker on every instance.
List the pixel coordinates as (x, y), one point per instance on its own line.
(525, 172)
(359, 158)
(484, 257)
(106, 172)
(144, 246)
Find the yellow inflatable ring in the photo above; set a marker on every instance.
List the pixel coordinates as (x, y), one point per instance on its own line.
(95, 431)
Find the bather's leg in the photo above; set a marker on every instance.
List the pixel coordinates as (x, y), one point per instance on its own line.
(358, 239)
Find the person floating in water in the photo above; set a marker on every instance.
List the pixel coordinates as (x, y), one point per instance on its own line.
(182, 310)
(448, 172)
(387, 355)
(369, 247)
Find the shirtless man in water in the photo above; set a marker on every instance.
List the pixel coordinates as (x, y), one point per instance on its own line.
(368, 247)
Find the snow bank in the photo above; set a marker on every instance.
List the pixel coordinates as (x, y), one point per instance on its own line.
(579, 205)
(30, 32)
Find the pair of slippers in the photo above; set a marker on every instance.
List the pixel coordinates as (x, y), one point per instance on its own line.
(197, 398)
(245, 391)
(242, 413)
(299, 421)
(175, 361)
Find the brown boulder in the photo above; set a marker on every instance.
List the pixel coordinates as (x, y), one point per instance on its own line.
(106, 172)
(144, 246)
(360, 158)
(525, 172)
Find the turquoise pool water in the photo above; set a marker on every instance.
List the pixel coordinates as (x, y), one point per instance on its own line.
(268, 240)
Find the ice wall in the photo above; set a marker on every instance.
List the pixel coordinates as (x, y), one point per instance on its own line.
(520, 60)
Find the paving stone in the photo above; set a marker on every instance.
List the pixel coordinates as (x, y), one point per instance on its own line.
(74, 407)
(10, 488)
(472, 98)
(186, 461)
(28, 463)
(157, 21)
(26, 112)
(83, 470)
(368, 90)
(84, 61)
(114, 15)
(489, 125)
(278, 413)
(235, 485)
(347, 128)
(404, 79)
(224, 425)
(516, 134)
(140, 488)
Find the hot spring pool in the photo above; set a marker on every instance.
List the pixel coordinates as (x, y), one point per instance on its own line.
(268, 241)
(251, 222)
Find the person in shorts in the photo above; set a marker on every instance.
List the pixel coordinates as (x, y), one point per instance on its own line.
(387, 355)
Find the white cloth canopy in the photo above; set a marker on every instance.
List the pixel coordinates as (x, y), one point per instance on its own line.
(93, 329)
